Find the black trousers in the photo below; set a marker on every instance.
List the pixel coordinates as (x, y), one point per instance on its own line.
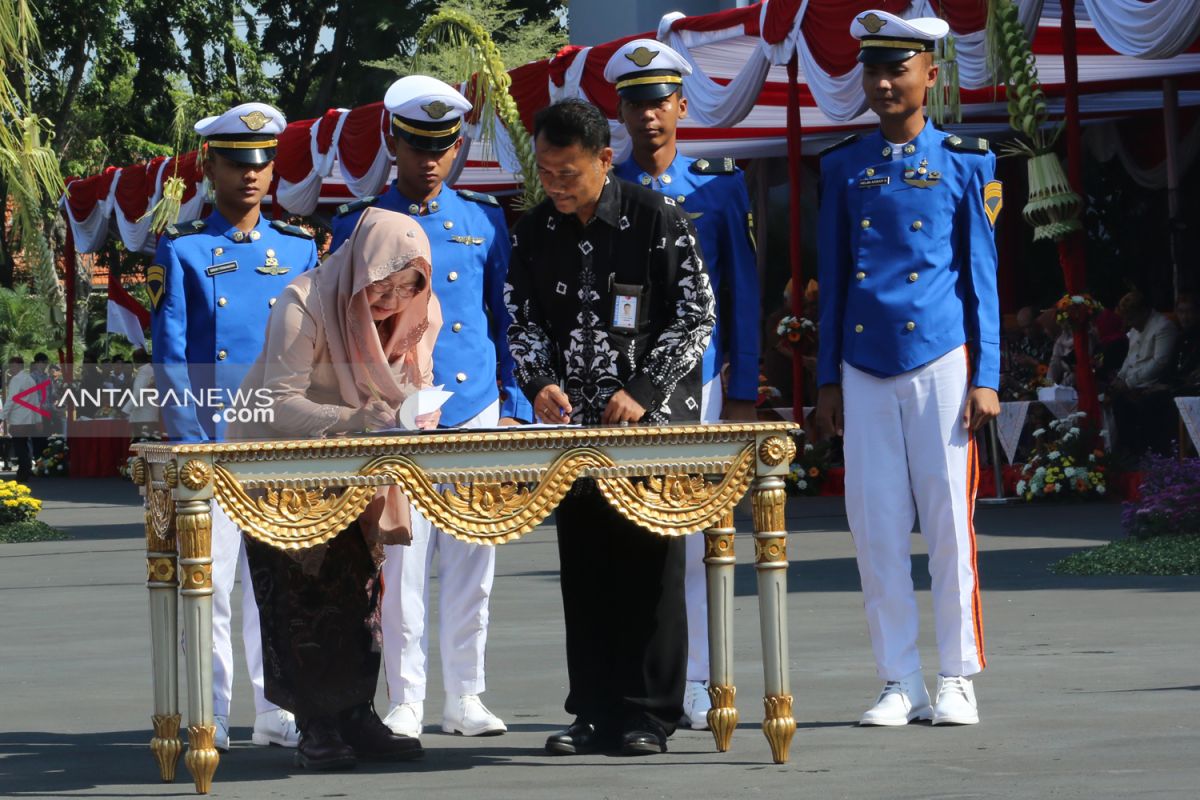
(316, 607)
(28, 444)
(623, 600)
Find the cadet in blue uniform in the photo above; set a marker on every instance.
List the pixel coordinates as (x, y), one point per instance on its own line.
(212, 285)
(649, 80)
(470, 247)
(909, 355)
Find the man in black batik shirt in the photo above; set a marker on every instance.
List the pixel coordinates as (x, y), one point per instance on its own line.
(612, 311)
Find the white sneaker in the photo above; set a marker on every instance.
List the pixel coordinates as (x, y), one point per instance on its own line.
(466, 714)
(406, 719)
(899, 703)
(221, 738)
(696, 704)
(955, 703)
(276, 727)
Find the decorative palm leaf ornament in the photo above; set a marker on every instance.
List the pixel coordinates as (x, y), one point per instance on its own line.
(166, 211)
(28, 165)
(1053, 208)
(943, 99)
(475, 58)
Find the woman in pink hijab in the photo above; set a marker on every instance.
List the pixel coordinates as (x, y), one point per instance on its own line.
(346, 344)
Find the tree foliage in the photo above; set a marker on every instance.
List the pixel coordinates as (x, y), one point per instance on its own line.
(116, 77)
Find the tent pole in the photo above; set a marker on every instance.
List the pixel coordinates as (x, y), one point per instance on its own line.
(1072, 250)
(794, 133)
(70, 269)
(1171, 131)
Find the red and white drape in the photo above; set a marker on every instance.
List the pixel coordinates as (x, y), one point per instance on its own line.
(737, 96)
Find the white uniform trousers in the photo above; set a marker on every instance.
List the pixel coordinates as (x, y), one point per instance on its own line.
(465, 573)
(228, 552)
(908, 455)
(695, 578)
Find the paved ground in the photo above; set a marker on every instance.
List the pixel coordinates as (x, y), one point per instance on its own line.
(1092, 689)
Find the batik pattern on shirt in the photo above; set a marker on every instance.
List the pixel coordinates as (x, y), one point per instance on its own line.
(560, 295)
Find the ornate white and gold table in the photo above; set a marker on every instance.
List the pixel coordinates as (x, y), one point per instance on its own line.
(483, 486)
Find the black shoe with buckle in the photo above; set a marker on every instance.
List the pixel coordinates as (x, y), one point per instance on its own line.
(372, 740)
(321, 746)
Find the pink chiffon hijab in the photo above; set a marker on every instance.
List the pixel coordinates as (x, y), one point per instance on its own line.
(381, 361)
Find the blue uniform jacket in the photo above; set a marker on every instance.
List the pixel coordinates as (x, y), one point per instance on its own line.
(211, 290)
(470, 249)
(720, 209)
(908, 257)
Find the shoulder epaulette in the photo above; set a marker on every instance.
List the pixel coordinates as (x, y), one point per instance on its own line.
(185, 228)
(356, 205)
(479, 197)
(851, 139)
(290, 230)
(965, 144)
(720, 166)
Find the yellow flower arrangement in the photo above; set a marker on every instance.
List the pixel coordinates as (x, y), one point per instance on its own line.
(16, 503)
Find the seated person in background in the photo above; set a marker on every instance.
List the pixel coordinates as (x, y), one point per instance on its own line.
(1185, 380)
(345, 345)
(1111, 345)
(1152, 347)
(1062, 358)
(1031, 346)
(1152, 341)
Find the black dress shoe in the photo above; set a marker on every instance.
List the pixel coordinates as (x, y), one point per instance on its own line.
(579, 739)
(321, 746)
(371, 740)
(642, 743)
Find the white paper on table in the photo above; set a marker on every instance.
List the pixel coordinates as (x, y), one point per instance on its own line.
(1189, 410)
(426, 401)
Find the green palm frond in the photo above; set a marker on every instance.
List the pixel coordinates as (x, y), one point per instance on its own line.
(469, 48)
(28, 165)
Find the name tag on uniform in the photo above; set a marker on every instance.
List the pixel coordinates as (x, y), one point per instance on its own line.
(469, 240)
(220, 269)
(868, 183)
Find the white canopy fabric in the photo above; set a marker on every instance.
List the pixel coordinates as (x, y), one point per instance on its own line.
(737, 97)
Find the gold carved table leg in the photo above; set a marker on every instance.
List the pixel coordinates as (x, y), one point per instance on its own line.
(163, 583)
(719, 562)
(770, 562)
(193, 521)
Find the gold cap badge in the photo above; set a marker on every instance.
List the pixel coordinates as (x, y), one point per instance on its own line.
(437, 109)
(255, 120)
(642, 56)
(872, 22)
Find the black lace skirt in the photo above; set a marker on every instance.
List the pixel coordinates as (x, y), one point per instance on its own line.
(317, 609)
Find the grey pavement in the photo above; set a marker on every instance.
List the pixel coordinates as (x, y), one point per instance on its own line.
(1092, 688)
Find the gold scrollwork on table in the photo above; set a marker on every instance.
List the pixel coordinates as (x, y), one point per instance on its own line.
(166, 745)
(490, 512)
(679, 504)
(770, 550)
(778, 725)
(202, 756)
(195, 474)
(718, 547)
(160, 511)
(723, 716)
(776, 449)
(160, 569)
(291, 519)
(171, 474)
(138, 471)
(196, 576)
